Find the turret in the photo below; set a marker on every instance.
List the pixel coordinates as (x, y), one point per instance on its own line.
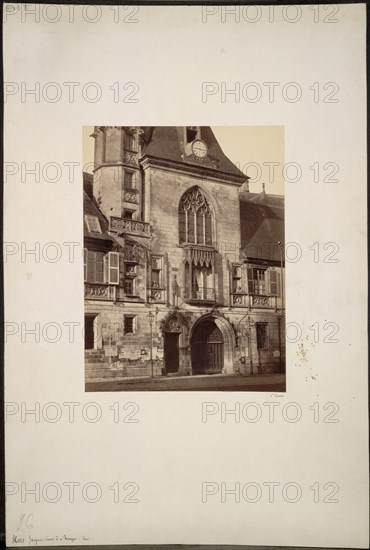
(117, 183)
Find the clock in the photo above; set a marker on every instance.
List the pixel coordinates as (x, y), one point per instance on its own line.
(199, 148)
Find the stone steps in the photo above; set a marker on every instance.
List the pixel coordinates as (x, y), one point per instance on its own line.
(104, 370)
(103, 374)
(94, 356)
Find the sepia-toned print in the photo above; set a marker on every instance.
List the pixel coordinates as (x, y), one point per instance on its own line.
(183, 266)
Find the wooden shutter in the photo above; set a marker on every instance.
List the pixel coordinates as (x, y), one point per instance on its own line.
(94, 267)
(274, 280)
(113, 268)
(99, 267)
(121, 270)
(90, 271)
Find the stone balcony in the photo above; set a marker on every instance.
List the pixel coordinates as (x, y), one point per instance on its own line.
(200, 296)
(100, 291)
(129, 227)
(254, 301)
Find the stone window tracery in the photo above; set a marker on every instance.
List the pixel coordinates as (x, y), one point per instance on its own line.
(195, 218)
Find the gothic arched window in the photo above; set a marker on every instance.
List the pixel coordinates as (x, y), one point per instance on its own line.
(195, 218)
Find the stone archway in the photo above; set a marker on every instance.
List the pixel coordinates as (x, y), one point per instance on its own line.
(212, 343)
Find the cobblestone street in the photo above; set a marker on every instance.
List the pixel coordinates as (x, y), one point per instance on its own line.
(266, 383)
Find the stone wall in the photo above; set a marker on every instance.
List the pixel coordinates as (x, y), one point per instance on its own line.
(164, 190)
(130, 353)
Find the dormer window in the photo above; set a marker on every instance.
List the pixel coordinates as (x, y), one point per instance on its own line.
(194, 146)
(192, 133)
(93, 224)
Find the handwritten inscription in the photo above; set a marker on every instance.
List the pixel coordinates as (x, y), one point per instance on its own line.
(33, 540)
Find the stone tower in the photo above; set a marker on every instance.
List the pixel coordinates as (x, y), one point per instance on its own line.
(117, 185)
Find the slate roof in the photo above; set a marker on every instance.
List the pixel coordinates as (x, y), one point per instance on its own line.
(261, 226)
(92, 209)
(165, 142)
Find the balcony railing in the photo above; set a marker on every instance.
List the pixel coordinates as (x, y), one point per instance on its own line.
(254, 300)
(131, 195)
(200, 295)
(100, 291)
(130, 227)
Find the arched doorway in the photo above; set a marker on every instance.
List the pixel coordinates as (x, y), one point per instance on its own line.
(207, 348)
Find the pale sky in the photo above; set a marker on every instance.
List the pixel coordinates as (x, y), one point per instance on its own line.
(251, 148)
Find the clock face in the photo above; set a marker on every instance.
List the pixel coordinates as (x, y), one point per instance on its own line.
(199, 148)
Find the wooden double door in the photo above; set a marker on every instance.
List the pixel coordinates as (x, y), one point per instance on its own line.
(207, 349)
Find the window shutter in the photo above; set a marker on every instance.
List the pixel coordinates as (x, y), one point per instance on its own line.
(93, 266)
(250, 280)
(90, 275)
(121, 271)
(99, 267)
(113, 268)
(274, 282)
(106, 270)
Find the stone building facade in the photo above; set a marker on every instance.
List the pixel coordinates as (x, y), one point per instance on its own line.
(184, 267)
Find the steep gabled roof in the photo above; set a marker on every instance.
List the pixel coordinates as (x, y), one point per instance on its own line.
(165, 142)
(261, 226)
(92, 209)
